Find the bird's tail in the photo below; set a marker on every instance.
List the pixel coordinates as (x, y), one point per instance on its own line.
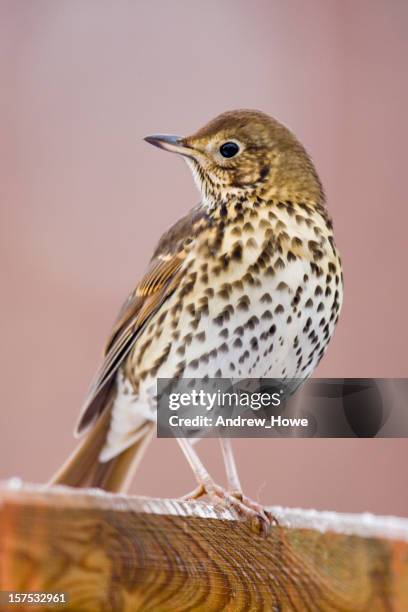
(83, 468)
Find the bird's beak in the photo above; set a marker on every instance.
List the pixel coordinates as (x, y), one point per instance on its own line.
(174, 144)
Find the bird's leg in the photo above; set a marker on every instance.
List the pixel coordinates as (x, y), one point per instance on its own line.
(234, 484)
(230, 466)
(259, 518)
(203, 477)
(200, 490)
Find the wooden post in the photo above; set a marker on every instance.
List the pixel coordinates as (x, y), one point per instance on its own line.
(111, 552)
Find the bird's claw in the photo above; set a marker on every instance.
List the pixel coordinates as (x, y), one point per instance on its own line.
(196, 494)
(258, 517)
(262, 520)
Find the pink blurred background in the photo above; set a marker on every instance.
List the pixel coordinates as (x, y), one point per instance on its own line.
(83, 201)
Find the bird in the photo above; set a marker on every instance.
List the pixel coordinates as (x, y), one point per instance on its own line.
(248, 284)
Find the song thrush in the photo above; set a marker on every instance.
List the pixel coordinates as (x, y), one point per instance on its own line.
(247, 284)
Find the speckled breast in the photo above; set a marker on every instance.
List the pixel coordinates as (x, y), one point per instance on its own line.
(260, 298)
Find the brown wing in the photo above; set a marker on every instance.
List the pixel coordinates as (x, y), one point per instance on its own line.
(163, 276)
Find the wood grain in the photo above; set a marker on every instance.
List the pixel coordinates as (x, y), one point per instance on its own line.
(110, 552)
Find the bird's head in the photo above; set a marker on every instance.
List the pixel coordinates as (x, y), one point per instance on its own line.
(246, 154)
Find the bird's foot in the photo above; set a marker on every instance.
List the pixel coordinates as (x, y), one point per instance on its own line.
(260, 519)
(249, 510)
(196, 494)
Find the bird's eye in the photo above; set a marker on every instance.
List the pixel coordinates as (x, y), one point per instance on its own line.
(229, 149)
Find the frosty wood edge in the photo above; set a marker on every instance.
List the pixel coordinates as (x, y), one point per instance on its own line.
(364, 525)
